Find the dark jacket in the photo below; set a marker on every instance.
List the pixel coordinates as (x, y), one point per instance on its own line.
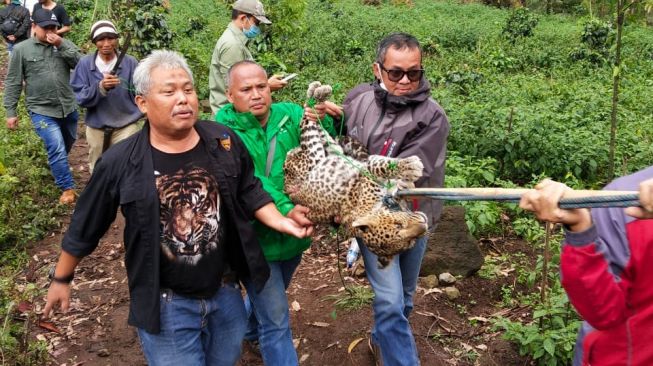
(402, 126)
(124, 177)
(20, 15)
(116, 108)
(45, 71)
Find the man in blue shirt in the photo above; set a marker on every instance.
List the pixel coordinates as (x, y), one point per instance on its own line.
(111, 112)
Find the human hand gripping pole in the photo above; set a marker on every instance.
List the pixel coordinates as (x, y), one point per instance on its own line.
(544, 202)
(645, 200)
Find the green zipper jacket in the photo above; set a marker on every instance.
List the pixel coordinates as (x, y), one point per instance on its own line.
(284, 124)
(45, 69)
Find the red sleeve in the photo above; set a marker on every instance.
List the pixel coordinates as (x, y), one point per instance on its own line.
(597, 293)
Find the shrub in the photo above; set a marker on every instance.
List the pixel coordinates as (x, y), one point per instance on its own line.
(462, 81)
(549, 338)
(596, 40)
(146, 21)
(520, 24)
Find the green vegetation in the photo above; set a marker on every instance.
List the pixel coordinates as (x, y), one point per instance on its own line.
(28, 209)
(353, 298)
(528, 94)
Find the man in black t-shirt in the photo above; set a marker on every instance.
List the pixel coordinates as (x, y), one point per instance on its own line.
(59, 11)
(188, 193)
(192, 232)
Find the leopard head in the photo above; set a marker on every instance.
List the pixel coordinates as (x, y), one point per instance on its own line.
(389, 232)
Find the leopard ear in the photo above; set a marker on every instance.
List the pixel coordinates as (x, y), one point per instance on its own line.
(368, 220)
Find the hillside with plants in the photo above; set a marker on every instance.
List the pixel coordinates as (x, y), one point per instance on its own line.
(529, 94)
(537, 88)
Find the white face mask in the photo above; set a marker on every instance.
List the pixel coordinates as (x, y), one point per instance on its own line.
(381, 80)
(383, 86)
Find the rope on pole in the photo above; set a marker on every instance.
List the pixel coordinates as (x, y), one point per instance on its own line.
(574, 199)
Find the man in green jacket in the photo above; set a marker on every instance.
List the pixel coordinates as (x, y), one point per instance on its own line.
(269, 131)
(232, 47)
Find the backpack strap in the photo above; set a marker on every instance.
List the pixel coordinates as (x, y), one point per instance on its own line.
(272, 149)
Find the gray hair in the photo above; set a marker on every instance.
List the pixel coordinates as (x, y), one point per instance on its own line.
(167, 60)
(398, 41)
(232, 68)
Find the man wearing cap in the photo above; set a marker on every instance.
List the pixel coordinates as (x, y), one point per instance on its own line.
(14, 23)
(232, 47)
(44, 62)
(103, 87)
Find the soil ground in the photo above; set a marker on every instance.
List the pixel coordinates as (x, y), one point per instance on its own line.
(95, 331)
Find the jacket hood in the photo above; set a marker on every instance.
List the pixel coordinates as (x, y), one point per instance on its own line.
(399, 102)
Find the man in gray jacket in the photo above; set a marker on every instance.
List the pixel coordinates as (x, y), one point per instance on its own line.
(396, 116)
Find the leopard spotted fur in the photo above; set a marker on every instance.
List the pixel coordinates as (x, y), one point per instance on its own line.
(339, 180)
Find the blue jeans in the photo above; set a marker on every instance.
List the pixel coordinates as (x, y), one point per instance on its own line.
(58, 135)
(269, 318)
(394, 287)
(197, 332)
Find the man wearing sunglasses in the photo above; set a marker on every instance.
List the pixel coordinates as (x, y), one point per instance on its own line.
(396, 116)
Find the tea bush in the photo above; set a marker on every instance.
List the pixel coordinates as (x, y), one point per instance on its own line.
(520, 24)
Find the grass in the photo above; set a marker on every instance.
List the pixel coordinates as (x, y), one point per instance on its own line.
(353, 298)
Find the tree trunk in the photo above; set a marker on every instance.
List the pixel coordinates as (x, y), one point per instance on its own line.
(616, 76)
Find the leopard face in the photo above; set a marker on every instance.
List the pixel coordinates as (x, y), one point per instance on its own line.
(387, 233)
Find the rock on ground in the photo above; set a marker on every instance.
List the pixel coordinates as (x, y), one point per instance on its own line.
(451, 248)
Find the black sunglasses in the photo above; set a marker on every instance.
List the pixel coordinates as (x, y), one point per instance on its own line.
(397, 74)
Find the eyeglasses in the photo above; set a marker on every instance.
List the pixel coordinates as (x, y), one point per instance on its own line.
(397, 74)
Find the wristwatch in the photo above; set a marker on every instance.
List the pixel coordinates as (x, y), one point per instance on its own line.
(63, 280)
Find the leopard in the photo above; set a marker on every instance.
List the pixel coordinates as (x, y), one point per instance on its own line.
(339, 181)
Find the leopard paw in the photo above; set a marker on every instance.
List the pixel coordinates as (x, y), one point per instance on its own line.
(410, 168)
(318, 91)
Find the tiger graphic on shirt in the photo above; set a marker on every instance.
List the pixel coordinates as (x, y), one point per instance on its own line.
(190, 215)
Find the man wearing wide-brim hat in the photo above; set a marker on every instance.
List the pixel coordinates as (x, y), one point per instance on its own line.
(50, 100)
(246, 15)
